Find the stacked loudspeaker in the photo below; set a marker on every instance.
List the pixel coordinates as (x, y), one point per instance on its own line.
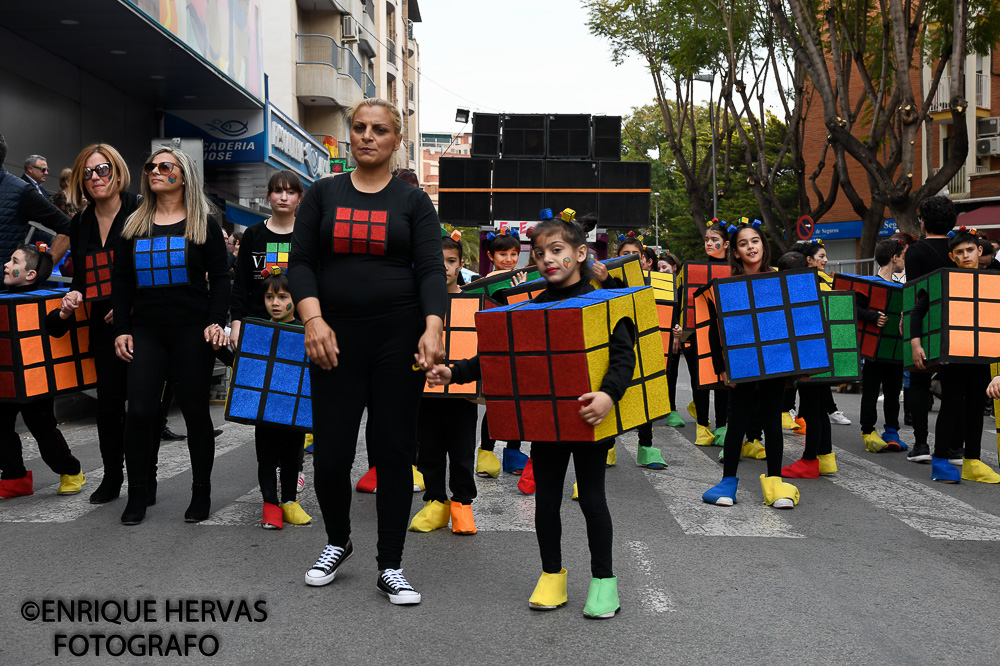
(521, 164)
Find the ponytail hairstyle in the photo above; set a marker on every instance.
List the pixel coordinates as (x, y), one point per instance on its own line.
(196, 204)
(735, 262)
(569, 232)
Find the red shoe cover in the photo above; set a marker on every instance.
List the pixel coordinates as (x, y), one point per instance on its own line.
(25, 486)
(272, 516)
(801, 469)
(367, 483)
(527, 482)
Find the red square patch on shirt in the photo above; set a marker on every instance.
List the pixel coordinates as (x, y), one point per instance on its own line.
(360, 231)
(97, 275)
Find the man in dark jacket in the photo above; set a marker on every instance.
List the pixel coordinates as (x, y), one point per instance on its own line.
(20, 203)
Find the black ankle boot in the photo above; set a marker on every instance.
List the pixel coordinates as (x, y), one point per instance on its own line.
(201, 503)
(109, 490)
(135, 510)
(151, 493)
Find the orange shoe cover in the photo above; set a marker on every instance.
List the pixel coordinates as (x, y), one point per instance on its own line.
(462, 521)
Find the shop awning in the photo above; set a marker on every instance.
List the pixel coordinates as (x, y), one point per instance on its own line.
(981, 216)
(244, 217)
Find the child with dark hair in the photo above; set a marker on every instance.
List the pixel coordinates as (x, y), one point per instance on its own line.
(446, 435)
(28, 268)
(560, 251)
(881, 376)
(937, 216)
(279, 447)
(988, 259)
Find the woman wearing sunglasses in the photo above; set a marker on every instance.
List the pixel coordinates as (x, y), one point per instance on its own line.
(101, 176)
(167, 319)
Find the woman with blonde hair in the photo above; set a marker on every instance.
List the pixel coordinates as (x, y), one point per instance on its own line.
(167, 319)
(63, 200)
(100, 175)
(367, 274)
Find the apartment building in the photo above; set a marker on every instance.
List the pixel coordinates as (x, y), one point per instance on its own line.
(432, 146)
(323, 56)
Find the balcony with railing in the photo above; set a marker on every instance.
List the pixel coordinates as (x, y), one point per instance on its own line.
(942, 98)
(326, 73)
(369, 87)
(367, 41)
(959, 183)
(983, 90)
(411, 103)
(410, 45)
(390, 58)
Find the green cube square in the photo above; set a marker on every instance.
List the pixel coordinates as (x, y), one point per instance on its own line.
(933, 320)
(845, 364)
(844, 336)
(934, 287)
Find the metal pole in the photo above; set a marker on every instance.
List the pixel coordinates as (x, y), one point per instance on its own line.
(657, 197)
(711, 113)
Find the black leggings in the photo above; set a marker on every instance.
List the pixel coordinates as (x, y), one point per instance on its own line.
(673, 362)
(447, 436)
(551, 460)
(701, 396)
(813, 403)
(765, 397)
(278, 447)
(489, 444)
(887, 377)
(920, 405)
(374, 370)
(960, 420)
(112, 380)
(180, 354)
(41, 421)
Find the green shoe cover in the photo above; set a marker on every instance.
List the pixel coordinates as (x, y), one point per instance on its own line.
(720, 435)
(602, 599)
(674, 420)
(649, 455)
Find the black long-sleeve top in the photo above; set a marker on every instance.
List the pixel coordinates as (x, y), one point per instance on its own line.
(621, 364)
(361, 279)
(197, 302)
(924, 257)
(248, 292)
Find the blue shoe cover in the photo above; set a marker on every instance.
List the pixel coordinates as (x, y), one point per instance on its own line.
(943, 470)
(725, 488)
(513, 460)
(892, 435)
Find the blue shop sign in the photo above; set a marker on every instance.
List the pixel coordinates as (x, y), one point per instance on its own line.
(230, 136)
(291, 147)
(852, 229)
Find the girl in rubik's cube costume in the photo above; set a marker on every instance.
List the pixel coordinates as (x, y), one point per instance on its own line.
(28, 269)
(560, 251)
(446, 434)
(748, 254)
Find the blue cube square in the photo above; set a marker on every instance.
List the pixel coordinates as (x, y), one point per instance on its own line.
(143, 245)
(743, 363)
(733, 296)
(159, 259)
(144, 278)
(178, 276)
(286, 378)
(143, 261)
(739, 330)
(291, 346)
(177, 242)
(244, 403)
(802, 288)
(306, 386)
(813, 354)
(807, 320)
(777, 358)
(251, 372)
(177, 258)
(160, 243)
(772, 325)
(280, 408)
(161, 278)
(767, 293)
(304, 415)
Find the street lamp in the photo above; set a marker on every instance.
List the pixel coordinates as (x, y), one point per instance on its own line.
(710, 80)
(656, 198)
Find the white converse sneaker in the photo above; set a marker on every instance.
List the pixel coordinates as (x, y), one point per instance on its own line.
(301, 483)
(392, 584)
(839, 418)
(783, 503)
(326, 566)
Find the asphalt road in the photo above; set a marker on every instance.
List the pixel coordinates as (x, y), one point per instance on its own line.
(877, 564)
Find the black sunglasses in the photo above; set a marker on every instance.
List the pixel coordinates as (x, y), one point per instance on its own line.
(103, 170)
(42, 169)
(164, 167)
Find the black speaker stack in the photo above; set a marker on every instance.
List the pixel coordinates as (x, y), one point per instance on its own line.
(522, 163)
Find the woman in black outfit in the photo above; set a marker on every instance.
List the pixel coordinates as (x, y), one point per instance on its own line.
(101, 176)
(368, 278)
(167, 319)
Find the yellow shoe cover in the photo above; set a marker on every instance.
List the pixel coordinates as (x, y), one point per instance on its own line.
(433, 516)
(977, 470)
(308, 441)
(550, 592)
(873, 442)
(294, 514)
(754, 450)
(576, 492)
(692, 411)
(775, 489)
(487, 463)
(71, 484)
(787, 422)
(827, 463)
(418, 480)
(705, 437)
(612, 456)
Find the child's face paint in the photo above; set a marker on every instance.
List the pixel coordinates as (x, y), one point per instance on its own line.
(567, 262)
(718, 245)
(16, 272)
(288, 307)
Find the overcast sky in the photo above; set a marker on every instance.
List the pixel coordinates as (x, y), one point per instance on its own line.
(518, 56)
